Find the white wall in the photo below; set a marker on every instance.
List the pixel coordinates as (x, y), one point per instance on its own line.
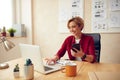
(110, 51)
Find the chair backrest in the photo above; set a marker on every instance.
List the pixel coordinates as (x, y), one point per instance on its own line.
(97, 42)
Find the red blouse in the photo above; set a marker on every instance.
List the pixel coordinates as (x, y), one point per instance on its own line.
(86, 43)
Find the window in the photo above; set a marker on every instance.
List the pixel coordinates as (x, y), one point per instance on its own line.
(6, 13)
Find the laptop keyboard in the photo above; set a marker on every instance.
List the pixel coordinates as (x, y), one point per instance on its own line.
(47, 68)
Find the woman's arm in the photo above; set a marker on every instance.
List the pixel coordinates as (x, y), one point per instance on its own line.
(82, 55)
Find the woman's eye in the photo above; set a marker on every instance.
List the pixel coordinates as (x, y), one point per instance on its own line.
(73, 26)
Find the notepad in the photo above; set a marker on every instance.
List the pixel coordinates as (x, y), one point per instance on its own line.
(104, 75)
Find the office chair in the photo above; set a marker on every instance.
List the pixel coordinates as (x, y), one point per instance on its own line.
(97, 42)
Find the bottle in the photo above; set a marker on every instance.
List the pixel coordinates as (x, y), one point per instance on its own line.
(16, 71)
(4, 31)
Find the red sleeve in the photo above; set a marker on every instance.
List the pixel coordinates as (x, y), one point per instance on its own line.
(92, 49)
(62, 50)
(87, 44)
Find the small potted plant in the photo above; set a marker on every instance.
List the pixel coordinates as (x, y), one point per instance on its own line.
(11, 31)
(16, 71)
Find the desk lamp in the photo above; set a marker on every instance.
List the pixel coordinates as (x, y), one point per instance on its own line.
(7, 45)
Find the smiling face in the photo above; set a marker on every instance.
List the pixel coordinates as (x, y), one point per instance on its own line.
(75, 26)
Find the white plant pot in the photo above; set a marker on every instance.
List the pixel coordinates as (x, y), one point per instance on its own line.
(16, 74)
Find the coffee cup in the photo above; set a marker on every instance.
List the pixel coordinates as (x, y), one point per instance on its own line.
(70, 69)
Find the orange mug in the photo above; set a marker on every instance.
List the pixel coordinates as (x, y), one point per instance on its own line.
(70, 70)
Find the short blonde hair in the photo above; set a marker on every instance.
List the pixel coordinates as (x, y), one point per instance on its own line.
(78, 20)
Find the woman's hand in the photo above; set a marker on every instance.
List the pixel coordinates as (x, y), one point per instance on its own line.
(78, 53)
(51, 61)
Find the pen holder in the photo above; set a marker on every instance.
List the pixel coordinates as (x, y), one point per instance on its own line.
(29, 71)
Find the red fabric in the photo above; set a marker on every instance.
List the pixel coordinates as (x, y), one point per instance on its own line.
(86, 43)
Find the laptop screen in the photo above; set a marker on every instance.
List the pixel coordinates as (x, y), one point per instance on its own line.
(32, 52)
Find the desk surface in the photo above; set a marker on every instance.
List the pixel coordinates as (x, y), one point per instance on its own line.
(104, 75)
(82, 71)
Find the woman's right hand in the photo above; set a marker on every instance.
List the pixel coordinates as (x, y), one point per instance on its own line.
(51, 61)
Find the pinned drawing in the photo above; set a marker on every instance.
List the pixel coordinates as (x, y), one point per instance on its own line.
(106, 16)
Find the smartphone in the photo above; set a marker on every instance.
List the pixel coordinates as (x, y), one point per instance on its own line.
(76, 46)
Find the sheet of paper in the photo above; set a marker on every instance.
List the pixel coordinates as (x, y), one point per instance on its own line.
(114, 20)
(106, 16)
(114, 5)
(99, 9)
(100, 25)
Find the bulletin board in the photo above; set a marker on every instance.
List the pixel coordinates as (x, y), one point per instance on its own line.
(67, 10)
(106, 16)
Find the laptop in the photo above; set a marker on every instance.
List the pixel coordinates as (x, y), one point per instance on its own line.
(33, 52)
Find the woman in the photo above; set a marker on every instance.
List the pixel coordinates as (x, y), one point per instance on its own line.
(87, 48)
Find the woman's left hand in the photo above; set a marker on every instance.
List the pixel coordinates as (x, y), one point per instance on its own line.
(78, 53)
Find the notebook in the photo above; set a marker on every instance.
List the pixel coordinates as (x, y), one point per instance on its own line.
(33, 52)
